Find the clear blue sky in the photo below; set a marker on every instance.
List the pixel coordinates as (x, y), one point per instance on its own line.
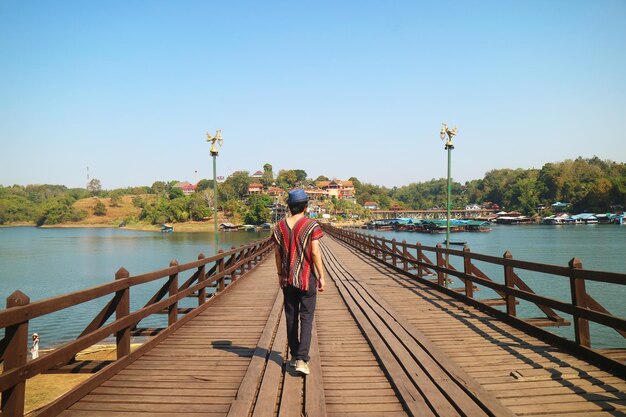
(351, 88)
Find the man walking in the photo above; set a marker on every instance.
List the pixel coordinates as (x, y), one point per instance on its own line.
(300, 275)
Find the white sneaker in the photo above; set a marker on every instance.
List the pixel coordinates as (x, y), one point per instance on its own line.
(302, 367)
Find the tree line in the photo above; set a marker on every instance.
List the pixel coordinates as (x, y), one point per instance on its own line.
(588, 185)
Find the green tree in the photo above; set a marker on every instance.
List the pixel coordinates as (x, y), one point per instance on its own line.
(235, 186)
(158, 187)
(94, 186)
(175, 192)
(99, 209)
(258, 209)
(287, 179)
(268, 175)
(203, 185)
(300, 175)
(199, 208)
(116, 198)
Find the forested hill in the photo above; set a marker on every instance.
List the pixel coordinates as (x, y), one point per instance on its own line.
(588, 185)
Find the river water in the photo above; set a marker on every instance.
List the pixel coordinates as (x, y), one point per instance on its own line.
(44, 262)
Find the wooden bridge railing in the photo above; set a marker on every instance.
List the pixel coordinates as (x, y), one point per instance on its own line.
(412, 260)
(226, 268)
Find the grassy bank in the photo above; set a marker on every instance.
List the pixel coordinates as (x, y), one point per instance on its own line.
(45, 388)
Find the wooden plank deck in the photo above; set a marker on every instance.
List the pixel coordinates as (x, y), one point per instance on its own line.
(528, 376)
(383, 345)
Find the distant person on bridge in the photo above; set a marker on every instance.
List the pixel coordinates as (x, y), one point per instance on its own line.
(300, 275)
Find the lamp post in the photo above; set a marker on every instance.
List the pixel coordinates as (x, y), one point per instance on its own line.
(448, 134)
(214, 152)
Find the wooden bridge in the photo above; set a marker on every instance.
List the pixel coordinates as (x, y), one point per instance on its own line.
(392, 337)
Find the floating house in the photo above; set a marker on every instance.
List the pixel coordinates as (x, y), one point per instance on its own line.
(582, 218)
(228, 227)
(478, 226)
(556, 219)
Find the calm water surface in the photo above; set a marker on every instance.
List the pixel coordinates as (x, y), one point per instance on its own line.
(46, 262)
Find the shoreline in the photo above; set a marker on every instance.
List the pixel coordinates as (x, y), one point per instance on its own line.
(188, 227)
(195, 227)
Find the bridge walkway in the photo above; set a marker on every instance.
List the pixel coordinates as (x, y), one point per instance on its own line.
(528, 376)
(384, 345)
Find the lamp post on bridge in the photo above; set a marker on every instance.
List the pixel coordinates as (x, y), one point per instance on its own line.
(447, 133)
(214, 152)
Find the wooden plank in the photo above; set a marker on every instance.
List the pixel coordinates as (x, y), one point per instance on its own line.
(246, 395)
(292, 394)
(268, 392)
(412, 398)
(427, 374)
(452, 380)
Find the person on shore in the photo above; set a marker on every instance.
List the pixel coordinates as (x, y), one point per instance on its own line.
(34, 351)
(300, 275)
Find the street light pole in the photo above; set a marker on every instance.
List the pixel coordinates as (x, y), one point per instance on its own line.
(449, 134)
(214, 153)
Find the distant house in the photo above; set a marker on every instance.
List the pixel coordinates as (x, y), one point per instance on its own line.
(187, 188)
(255, 188)
(275, 191)
(258, 174)
(342, 190)
(315, 193)
(472, 207)
(372, 205)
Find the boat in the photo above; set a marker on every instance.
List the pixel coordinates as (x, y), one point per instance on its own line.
(456, 242)
(166, 228)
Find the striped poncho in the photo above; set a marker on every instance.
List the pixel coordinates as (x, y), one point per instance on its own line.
(295, 249)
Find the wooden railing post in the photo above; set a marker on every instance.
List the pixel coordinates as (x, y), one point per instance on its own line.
(234, 256)
(509, 281)
(467, 268)
(394, 259)
(122, 310)
(15, 355)
(420, 268)
(579, 299)
(405, 256)
(248, 253)
(219, 270)
(384, 250)
(201, 278)
(441, 276)
(172, 310)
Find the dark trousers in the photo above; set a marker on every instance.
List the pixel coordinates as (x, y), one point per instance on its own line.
(299, 304)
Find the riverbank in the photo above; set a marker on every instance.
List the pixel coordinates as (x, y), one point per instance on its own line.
(180, 227)
(187, 227)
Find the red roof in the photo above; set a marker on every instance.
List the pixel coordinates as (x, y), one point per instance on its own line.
(255, 185)
(370, 203)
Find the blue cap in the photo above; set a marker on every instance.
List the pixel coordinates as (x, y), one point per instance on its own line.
(297, 196)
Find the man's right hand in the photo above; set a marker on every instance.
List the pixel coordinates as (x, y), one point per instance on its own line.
(322, 284)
